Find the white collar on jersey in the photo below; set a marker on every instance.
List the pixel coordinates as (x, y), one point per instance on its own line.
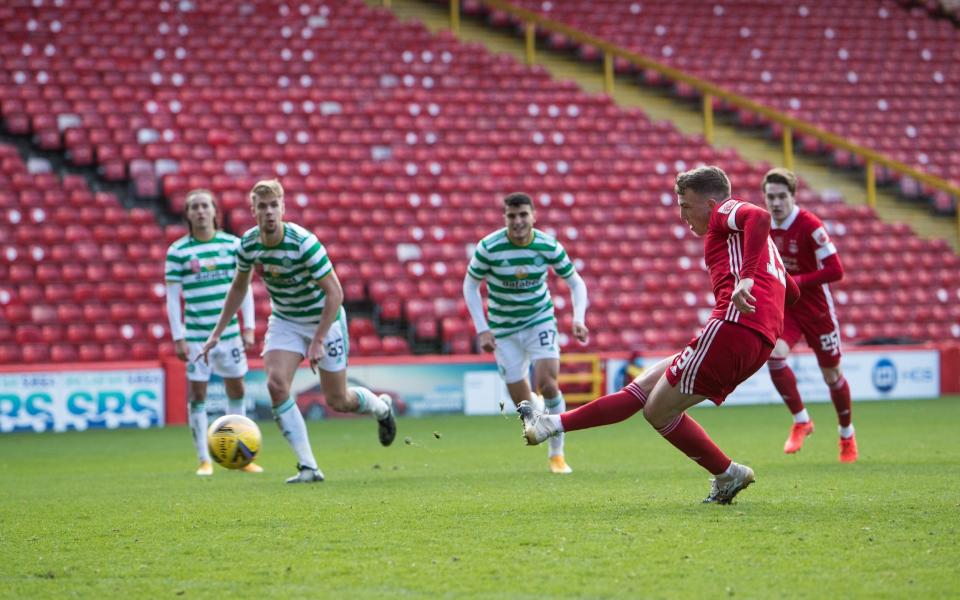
(789, 220)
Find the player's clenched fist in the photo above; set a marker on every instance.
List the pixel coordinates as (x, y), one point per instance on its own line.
(581, 333)
(487, 341)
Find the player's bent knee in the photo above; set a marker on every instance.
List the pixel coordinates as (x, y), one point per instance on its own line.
(646, 381)
(832, 375)
(781, 350)
(279, 390)
(234, 388)
(549, 388)
(652, 415)
(660, 414)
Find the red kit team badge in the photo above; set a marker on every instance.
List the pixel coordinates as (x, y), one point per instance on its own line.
(727, 206)
(821, 237)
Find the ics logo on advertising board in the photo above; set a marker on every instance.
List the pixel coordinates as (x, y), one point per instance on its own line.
(884, 375)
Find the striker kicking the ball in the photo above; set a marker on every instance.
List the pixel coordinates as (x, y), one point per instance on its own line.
(750, 286)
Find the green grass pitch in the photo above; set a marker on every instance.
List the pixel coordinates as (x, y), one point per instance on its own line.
(107, 514)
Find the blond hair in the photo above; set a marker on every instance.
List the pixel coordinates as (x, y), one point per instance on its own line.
(267, 187)
(707, 181)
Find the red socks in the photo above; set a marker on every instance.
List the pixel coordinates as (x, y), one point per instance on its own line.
(683, 432)
(786, 383)
(840, 394)
(606, 410)
(689, 438)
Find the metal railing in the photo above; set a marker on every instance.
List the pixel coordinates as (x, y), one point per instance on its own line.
(594, 377)
(532, 22)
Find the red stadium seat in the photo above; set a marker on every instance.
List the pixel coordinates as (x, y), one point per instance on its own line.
(60, 353)
(426, 328)
(453, 327)
(400, 182)
(391, 310)
(394, 345)
(144, 351)
(461, 345)
(116, 352)
(105, 333)
(35, 354)
(360, 326)
(369, 345)
(90, 352)
(10, 354)
(26, 334)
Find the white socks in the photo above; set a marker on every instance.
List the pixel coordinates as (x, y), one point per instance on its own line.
(728, 474)
(555, 406)
(198, 426)
(801, 417)
(370, 403)
(237, 407)
(846, 432)
(293, 427)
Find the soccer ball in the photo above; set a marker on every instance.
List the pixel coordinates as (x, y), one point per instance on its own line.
(234, 441)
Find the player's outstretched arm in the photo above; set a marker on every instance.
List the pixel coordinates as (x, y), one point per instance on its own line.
(756, 231)
(471, 295)
(175, 318)
(793, 291)
(249, 320)
(578, 296)
(231, 304)
(330, 284)
(755, 224)
(830, 270)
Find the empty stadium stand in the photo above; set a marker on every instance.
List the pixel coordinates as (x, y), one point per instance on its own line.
(880, 74)
(394, 146)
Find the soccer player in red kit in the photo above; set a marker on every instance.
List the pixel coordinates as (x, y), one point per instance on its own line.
(812, 259)
(750, 286)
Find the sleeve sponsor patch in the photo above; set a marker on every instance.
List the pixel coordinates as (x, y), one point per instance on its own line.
(820, 236)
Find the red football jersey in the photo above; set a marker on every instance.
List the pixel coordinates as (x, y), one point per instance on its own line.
(804, 244)
(724, 255)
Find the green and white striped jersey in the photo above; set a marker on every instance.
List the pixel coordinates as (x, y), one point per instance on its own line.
(205, 270)
(517, 293)
(289, 270)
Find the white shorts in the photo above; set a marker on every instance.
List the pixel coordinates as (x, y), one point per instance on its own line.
(227, 359)
(296, 337)
(515, 351)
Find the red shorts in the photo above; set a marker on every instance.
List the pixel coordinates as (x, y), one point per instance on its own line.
(722, 357)
(822, 335)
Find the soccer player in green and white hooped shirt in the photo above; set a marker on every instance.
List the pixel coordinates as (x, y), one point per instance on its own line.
(522, 328)
(200, 265)
(307, 321)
